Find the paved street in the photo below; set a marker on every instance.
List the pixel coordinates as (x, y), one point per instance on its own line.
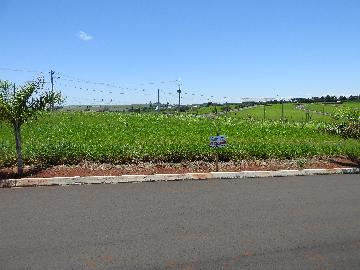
(273, 223)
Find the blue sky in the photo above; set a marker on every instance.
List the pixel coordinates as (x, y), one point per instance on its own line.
(232, 49)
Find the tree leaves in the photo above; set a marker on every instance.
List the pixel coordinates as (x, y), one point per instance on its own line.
(27, 101)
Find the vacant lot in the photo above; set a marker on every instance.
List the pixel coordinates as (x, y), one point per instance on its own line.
(68, 138)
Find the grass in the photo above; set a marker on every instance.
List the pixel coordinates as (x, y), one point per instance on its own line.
(71, 137)
(274, 112)
(291, 113)
(331, 108)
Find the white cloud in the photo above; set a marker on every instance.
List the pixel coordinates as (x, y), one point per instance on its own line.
(85, 36)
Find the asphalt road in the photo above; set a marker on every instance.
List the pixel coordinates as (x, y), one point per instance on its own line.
(274, 223)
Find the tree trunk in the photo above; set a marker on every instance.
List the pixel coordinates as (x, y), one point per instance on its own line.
(17, 132)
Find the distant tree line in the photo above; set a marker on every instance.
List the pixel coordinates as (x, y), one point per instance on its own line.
(326, 98)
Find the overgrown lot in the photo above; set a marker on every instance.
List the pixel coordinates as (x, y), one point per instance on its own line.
(69, 138)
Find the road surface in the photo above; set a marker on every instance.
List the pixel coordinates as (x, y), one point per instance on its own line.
(273, 223)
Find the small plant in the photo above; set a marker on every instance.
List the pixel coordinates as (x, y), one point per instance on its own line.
(301, 163)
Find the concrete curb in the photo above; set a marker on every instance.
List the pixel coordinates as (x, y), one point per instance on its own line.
(66, 181)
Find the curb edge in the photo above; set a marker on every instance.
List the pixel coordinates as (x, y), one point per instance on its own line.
(85, 180)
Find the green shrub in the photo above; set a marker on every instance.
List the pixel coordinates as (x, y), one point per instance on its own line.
(347, 125)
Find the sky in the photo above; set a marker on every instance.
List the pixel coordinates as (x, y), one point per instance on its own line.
(225, 51)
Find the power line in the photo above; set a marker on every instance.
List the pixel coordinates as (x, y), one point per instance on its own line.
(74, 79)
(20, 70)
(144, 89)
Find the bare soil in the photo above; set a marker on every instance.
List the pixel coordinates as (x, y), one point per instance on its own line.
(148, 168)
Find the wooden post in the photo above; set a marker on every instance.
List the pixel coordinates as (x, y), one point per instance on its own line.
(216, 160)
(264, 111)
(158, 108)
(217, 154)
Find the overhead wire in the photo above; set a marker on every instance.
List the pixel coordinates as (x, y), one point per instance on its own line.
(113, 92)
(75, 83)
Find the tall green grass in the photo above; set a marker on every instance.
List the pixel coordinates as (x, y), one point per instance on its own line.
(68, 138)
(332, 108)
(274, 112)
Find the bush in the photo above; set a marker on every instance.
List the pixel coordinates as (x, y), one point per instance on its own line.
(347, 123)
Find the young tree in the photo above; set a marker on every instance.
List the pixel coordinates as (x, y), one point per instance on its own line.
(19, 105)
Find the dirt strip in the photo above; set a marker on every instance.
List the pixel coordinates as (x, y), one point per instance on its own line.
(148, 168)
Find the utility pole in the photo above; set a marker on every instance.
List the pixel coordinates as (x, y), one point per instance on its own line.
(52, 80)
(14, 89)
(158, 108)
(179, 91)
(264, 109)
(52, 85)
